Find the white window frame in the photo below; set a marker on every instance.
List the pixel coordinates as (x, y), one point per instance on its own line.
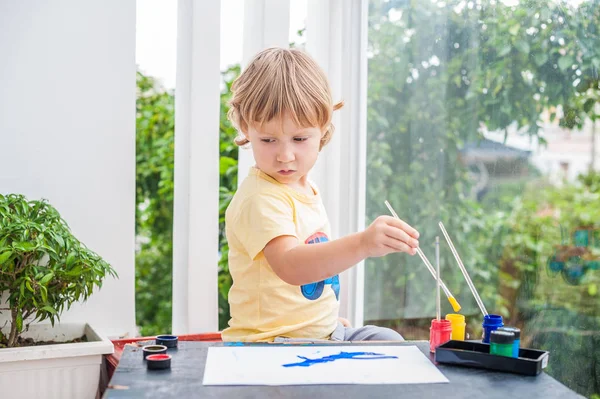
(336, 35)
(266, 24)
(196, 203)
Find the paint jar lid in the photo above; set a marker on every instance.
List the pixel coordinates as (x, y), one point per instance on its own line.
(514, 330)
(492, 320)
(153, 349)
(170, 341)
(167, 337)
(502, 337)
(159, 362)
(159, 357)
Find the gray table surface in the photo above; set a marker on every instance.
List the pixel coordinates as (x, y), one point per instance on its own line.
(184, 380)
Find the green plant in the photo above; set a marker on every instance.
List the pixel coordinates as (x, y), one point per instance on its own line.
(228, 171)
(591, 180)
(43, 267)
(155, 127)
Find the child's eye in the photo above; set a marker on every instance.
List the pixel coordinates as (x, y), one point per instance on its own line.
(267, 140)
(300, 139)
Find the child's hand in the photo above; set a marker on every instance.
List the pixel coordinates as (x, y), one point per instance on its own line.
(387, 235)
(345, 322)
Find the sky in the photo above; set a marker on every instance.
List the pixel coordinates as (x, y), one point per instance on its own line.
(156, 35)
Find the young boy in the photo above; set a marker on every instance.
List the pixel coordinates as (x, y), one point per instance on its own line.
(284, 265)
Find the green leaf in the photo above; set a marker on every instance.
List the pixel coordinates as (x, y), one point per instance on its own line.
(75, 272)
(565, 62)
(513, 30)
(29, 287)
(4, 256)
(587, 107)
(505, 50)
(225, 163)
(24, 246)
(20, 321)
(70, 259)
(59, 240)
(592, 289)
(522, 46)
(50, 309)
(47, 278)
(540, 58)
(498, 87)
(44, 292)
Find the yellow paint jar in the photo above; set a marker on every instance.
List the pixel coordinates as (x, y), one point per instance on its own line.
(458, 326)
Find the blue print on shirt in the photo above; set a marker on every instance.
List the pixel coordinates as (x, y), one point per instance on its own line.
(314, 291)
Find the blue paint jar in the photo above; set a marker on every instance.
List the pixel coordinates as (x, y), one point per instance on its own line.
(490, 323)
(517, 341)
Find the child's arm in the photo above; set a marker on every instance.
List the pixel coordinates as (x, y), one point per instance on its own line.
(298, 264)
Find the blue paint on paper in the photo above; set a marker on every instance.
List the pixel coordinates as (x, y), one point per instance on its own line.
(342, 355)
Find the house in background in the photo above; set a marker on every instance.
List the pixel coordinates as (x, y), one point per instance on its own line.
(567, 154)
(491, 163)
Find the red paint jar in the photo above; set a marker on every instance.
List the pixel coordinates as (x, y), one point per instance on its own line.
(439, 333)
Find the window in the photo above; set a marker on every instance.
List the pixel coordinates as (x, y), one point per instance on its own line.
(481, 115)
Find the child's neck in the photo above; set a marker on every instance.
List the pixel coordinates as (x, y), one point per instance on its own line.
(302, 186)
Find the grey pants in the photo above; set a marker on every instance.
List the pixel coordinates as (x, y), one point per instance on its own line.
(341, 333)
(365, 333)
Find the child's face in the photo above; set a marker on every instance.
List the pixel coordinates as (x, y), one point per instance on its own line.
(285, 151)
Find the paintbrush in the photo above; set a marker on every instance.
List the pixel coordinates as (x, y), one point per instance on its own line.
(451, 299)
(464, 271)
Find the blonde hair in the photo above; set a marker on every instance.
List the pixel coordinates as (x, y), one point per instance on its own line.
(279, 81)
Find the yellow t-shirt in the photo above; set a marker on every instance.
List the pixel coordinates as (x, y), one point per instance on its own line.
(262, 305)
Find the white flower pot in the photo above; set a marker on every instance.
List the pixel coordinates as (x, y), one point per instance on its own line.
(59, 371)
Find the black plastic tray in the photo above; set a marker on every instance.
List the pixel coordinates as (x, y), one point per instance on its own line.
(477, 354)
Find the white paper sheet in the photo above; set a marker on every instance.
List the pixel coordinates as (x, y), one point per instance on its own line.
(264, 365)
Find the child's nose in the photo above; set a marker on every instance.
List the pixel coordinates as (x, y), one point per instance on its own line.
(285, 155)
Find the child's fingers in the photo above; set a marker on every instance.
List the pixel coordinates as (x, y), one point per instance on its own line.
(401, 224)
(401, 235)
(399, 246)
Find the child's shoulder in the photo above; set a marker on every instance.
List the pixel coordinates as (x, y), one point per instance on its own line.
(255, 190)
